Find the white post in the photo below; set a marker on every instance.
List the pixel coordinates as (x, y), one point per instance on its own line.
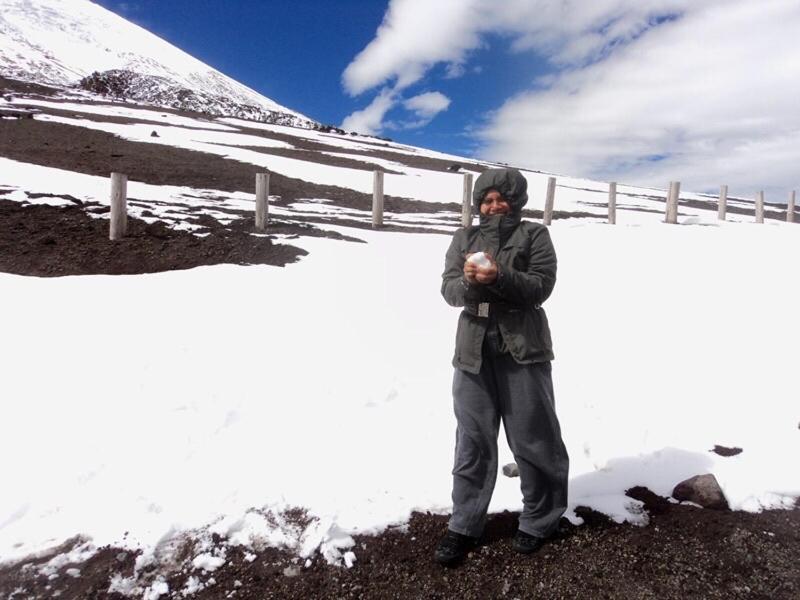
(612, 203)
(760, 207)
(790, 207)
(119, 206)
(672, 202)
(466, 205)
(549, 200)
(262, 201)
(377, 200)
(723, 202)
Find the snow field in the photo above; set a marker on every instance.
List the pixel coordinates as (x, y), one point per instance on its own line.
(326, 385)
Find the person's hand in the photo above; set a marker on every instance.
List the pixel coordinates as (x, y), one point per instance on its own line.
(475, 274)
(470, 270)
(487, 275)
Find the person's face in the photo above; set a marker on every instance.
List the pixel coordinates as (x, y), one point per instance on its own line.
(494, 204)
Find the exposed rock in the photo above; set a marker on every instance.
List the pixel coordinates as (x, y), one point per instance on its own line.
(160, 91)
(511, 470)
(329, 129)
(22, 113)
(725, 451)
(653, 503)
(291, 571)
(154, 133)
(703, 490)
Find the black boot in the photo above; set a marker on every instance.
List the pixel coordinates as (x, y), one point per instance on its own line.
(452, 548)
(525, 543)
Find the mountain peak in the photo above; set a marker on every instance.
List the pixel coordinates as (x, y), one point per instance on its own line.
(70, 43)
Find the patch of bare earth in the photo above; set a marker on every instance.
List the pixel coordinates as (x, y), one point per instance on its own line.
(48, 241)
(684, 552)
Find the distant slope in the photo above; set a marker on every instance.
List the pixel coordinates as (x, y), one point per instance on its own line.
(65, 42)
(188, 162)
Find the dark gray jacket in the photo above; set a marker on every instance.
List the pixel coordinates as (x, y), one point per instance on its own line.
(526, 262)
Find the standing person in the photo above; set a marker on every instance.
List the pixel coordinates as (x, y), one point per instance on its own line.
(502, 367)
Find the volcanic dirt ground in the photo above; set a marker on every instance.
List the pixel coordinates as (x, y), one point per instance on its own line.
(684, 552)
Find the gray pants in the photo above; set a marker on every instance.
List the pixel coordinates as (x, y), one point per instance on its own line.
(522, 395)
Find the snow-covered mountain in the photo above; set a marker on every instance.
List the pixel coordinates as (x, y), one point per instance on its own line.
(76, 43)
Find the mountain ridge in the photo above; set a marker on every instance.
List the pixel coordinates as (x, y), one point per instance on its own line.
(76, 44)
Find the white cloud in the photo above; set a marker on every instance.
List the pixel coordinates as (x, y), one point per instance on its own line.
(643, 91)
(708, 99)
(417, 34)
(455, 70)
(424, 108)
(369, 120)
(414, 35)
(427, 105)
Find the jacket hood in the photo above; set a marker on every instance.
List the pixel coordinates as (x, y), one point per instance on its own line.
(511, 184)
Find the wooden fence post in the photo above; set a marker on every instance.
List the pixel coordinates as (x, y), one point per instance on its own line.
(723, 203)
(790, 207)
(549, 200)
(612, 203)
(672, 202)
(262, 201)
(760, 207)
(119, 206)
(377, 200)
(466, 205)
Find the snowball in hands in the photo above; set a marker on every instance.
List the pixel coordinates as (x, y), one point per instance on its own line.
(480, 259)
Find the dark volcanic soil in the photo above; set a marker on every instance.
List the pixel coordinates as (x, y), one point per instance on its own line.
(49, 241)
(685, 552)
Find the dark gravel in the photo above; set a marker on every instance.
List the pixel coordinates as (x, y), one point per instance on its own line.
(684, 552)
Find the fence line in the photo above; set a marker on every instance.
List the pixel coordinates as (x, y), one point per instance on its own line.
(119, 203)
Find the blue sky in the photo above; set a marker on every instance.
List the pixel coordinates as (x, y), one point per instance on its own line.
(296, 52)
(636, 91)
(292, 52)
